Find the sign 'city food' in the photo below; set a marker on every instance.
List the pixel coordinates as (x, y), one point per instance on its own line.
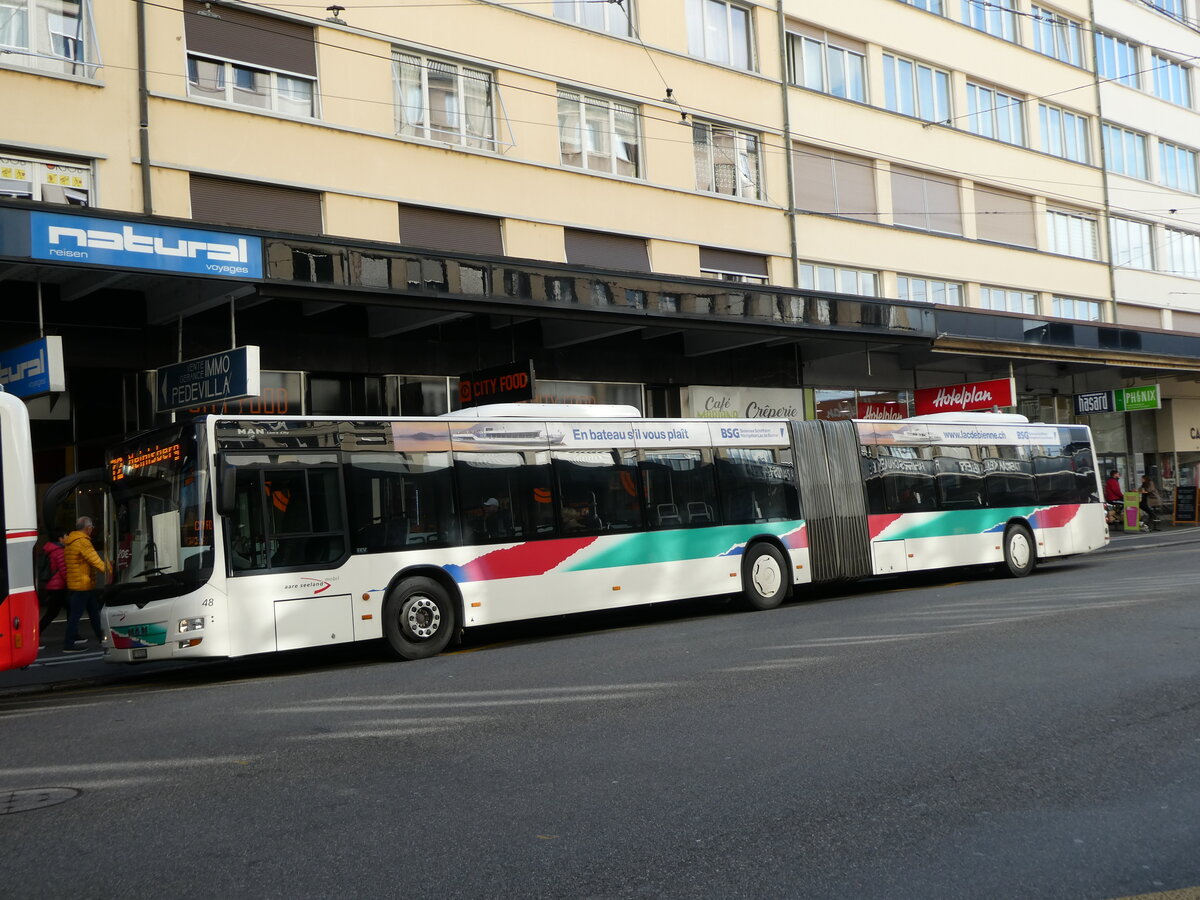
(977, 395)
(108, 242)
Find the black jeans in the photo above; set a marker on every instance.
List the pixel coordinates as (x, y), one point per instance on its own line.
(56, 601)
(80, 600)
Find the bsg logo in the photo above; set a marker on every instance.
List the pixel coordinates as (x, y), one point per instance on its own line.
(731, 432)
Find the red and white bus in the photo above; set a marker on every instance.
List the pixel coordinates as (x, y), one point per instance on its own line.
(238, 535)
(18, 520)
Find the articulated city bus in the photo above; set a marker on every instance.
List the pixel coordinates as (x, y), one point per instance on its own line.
(237, 535)
(18, 521)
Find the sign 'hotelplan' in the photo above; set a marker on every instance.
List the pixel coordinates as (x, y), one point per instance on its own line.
(974, 396)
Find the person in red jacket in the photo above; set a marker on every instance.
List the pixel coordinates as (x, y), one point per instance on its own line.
(1112, 488)
(54, 591)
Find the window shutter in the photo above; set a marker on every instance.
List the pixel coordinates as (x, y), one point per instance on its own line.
(452, 232)
(834, 183)
(1143, 316)
(243, 36)
(1004, 218)
(606, 251)
(253, 205)
(713, 259)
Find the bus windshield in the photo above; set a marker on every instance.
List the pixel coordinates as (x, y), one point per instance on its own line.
(162, 506)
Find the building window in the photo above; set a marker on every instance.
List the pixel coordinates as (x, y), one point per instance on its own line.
(250, 60)
(609, 17)
(1064, 133)
(1116, 60)
(1176, 167)
(45, 179)
(996, 17)
(1172, 81)
(1073, 308)
(1130, 244)
(839, 280)
(733, 265)
(1125, 151)
(1183, 253)
(927, 290)
(443, 101)
(1004, 217)
(50, 35)
(1071, 234)
(720, 32)
(1172, 8)
(598, 134)
(1057, 36)
(727, 161)
(925, 201)
(833, 183)
(1008, 301)
(995, 114)
(915, 89)
(228, 82)
(933, 6)
(819, 63)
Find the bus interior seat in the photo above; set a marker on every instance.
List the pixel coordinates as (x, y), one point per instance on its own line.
(668, 514)
(699, 511)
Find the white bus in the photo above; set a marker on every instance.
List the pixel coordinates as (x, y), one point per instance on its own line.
(238, 535)
(18, 521)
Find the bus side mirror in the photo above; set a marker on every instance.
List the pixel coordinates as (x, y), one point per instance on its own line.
(226, 489)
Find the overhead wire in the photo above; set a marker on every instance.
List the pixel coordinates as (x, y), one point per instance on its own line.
(764, 145)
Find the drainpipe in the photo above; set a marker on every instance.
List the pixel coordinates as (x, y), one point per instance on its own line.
(1112, 267)
(787, 147)
(143, 110)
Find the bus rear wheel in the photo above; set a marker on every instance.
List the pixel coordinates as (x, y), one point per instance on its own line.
(1020, 555)
(764, 577)
(418, 618)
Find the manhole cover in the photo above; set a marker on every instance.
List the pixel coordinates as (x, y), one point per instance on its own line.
(34, 798)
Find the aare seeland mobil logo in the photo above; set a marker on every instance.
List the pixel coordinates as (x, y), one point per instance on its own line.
(80, 239)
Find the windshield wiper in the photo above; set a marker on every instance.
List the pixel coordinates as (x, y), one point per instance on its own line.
(155, 571)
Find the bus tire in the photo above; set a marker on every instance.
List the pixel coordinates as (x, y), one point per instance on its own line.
(418, 618)
(1020, 553)
(764, 577)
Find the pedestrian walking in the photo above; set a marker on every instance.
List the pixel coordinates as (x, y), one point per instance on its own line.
(53, 564)
(81, 558)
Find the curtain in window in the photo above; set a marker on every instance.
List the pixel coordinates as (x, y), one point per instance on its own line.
(410, 103)
(477, 109)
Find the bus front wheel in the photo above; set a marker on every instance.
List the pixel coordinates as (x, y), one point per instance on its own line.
(418, 618)
(1020, 555)
(764, 577)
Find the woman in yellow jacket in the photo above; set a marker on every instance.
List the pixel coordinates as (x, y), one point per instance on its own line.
(81, 559)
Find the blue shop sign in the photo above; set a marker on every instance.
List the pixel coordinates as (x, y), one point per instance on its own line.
(33, 369)
(111, 242)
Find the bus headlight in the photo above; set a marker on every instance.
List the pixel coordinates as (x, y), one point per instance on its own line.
(194, 624)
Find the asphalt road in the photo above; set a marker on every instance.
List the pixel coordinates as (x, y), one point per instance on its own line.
(927, 738)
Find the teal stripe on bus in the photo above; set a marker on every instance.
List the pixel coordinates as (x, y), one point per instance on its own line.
(649, 547)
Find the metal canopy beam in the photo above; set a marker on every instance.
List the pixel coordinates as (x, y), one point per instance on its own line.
(173, 299)
(703, 343)
(558, 333)
(386, 321)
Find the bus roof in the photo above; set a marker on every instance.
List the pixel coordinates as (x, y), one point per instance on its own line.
(972, 417)
(546, 411)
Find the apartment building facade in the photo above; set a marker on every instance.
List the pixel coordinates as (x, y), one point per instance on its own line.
(662, 203)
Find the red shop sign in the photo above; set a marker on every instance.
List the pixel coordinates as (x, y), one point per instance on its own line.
(882, 410)
(975, 395)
